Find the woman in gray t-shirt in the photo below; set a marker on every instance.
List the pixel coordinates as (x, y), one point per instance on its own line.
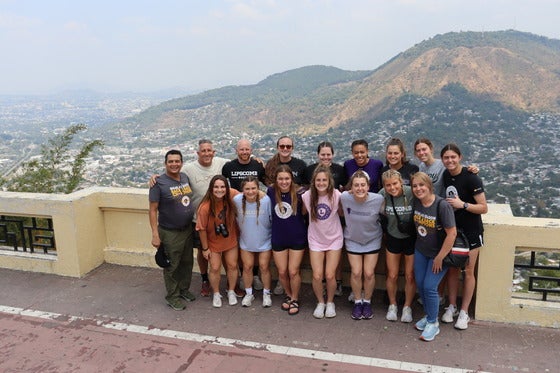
(362, 236)
(430, 212)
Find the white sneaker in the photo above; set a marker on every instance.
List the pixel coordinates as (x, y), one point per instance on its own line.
(267, 300)
(217, 300)
(330, 311)
(319, 312)
(450, 312)
(392, 313)
(278, 290)
(257, 284)
(406, 314)
(247, 300)
(462, 321)
(232, 298)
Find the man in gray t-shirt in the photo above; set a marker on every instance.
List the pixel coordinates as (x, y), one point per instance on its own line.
(171, 214)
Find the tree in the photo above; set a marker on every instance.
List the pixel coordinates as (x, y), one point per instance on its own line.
(55, 171)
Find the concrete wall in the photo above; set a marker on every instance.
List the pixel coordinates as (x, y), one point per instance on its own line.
(504, 234)
(111, 225)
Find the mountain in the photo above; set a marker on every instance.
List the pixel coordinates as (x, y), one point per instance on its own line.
(310, 95)
(514, 68)
(517, 69)
(496, 94)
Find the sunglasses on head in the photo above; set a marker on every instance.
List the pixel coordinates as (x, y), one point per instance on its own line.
(283, 146)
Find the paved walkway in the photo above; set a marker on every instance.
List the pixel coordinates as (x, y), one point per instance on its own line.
(115, 319)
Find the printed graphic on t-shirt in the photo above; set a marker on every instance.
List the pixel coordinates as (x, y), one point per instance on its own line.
(359, 213)
(323, 211)
(186, 201)
(287, 210)
(451, 192)
(180, 190)
(425, 223)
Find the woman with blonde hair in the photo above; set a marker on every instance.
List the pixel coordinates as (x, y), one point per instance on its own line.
(400, 238)
(431, 214)
(362, 237)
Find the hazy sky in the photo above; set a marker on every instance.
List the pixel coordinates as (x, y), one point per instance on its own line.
(141, 45)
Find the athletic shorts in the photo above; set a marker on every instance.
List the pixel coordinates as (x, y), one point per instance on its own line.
(400, 245)
(369, 252)
(475, 239)
(292, 247)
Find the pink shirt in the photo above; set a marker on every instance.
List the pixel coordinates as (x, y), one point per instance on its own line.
(325, 233)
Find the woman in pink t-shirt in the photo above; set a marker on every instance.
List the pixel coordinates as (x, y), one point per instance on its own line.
(325, 237)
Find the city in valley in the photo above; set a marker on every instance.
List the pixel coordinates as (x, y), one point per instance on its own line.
(514, 170)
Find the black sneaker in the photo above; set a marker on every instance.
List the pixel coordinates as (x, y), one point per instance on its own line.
(176, 304)
(188, 296)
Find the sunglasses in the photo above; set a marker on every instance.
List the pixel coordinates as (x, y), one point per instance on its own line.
(282, 146)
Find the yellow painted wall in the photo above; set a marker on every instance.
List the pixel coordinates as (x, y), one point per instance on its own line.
(111, 225)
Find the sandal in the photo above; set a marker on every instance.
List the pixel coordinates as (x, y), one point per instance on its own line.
(286, 304)
(294, 308)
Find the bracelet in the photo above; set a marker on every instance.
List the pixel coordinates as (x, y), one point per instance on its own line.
(205, 249)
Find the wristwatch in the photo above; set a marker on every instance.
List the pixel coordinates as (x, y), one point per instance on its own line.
(465, 205)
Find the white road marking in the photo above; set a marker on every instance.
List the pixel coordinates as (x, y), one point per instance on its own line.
(228, 342)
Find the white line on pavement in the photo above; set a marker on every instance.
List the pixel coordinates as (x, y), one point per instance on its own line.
(235, 343)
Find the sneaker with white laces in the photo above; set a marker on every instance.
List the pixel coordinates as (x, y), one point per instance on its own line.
(247, 300)
(319, 312)
(357, 311)
(267, 300)
(392, 313)
(430, 331)
(421, 324)
(406, 314)
(232, 298)
(330, 311)
(367, 312)
(257, 283)
(462, 321)
(449, 313)
(279, 289)
(217, 300)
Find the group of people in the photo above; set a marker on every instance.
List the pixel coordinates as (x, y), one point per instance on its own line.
(241, 212)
